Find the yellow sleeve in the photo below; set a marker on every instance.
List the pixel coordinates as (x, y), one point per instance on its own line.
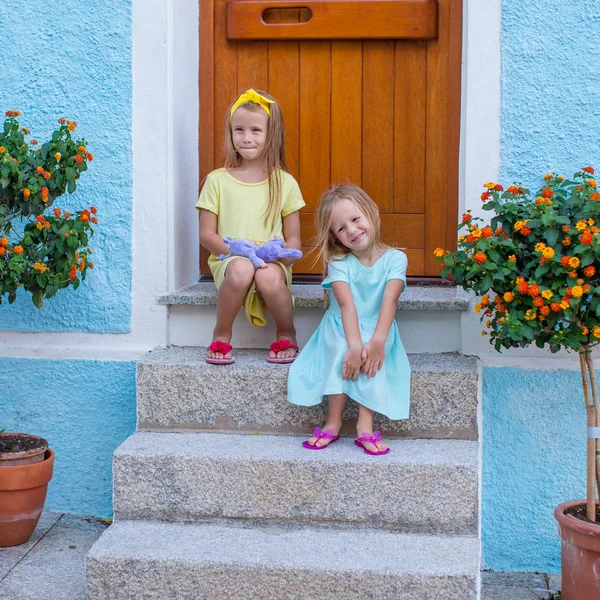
(293, 200)
(209, 196)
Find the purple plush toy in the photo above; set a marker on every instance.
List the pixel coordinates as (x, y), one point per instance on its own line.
(270, 252)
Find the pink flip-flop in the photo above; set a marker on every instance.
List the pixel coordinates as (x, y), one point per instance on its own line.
(365, 437)
(280, 345)
(223, 348)
(320, 435)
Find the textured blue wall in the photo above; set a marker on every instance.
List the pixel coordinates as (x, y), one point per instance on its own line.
(550, 88)
(85, 409)
(73, 59)
(534, 457)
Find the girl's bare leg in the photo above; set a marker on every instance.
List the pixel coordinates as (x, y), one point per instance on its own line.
(233, 290)
(334, 418)
(365, 425)
(272, 285)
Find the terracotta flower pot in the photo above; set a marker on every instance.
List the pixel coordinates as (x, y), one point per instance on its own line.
(22, 495)
(580, 554)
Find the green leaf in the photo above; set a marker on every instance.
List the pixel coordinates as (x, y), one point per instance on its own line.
(38, 299)
(72, 187)
(494, 256)
(551, 234)
(541, 270)
(444, 274)
(486, 283)
(40, 280)
(70, 173)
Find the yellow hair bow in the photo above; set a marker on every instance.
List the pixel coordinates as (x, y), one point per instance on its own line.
(254, 97)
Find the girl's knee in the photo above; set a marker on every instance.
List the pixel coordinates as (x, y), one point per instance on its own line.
(240, 271)
(271, 279)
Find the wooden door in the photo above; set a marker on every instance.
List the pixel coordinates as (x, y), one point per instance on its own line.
(381, 113)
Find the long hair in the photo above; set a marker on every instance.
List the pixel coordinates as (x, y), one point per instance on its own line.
(328, 245)
(274, 153)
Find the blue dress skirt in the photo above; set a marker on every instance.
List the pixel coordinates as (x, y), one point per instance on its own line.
(317, 371)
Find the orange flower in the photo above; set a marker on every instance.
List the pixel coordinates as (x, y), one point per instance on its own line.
(78, 159)
(480, 257)
(580, 281)
(25, 130)
(538, 301)
(67, 215)
(89, 156)
(18, 249)
(33, 142)
(81, 266)
(548, 253)
(47, 225)
(2, 251)
(589, 271)
(485, 196)
(513, 189)
(72, 125)
(91, 265)
(523, 287)
(589, 170)
(592, 182)
(566, 242)
(62, 121)
(40, 218)
(576, 291)
(586, 237)
(512, 258)
(540, 200)
(26, 192)
(548, 176)
(508, 296)
(94, 220)
(466, 217)
(73, 272)
(498, 188)
(3, 242)
(574, 262)
(47, 175)
(93, 210)
(525, 231)
(501, 308)
(584, 330)
(566, 228)
(439, 252)
(57, 156)
(544, 310)
(555, 306)
(39, 170)
(56, 212)
(546, 193)
(595, 196)
(573, 275)
(2, 149)
(487, 232)
(533, 290)
(81, 148)
(45, 192)
(84, 217)
(596, 332)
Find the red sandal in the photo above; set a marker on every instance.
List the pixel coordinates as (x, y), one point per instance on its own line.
(223, 348)
(280, 345)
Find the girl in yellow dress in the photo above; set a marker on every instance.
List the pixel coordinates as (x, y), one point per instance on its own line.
(252, 197)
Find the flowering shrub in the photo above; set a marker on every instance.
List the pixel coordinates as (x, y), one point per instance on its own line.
(535, 265)
(536, 268)
(45, 252)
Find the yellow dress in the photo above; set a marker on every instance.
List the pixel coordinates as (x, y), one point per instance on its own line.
(240, 208)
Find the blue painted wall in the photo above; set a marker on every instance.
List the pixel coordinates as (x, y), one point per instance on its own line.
(73, 59)
(534, 421)
(534, 457)
(550, 88)
(85, 409)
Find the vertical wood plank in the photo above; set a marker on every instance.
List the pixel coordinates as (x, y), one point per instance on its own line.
(284, 84)
(409, 126)
(346, 112)
(436, 181)
(454, 104)
(315, 84)
(225, 80)
(378, 122)
(253, 66)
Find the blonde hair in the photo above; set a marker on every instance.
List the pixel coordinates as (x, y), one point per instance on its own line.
(274, 153)
(328, 245)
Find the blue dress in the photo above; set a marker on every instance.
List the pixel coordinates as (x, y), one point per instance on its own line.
(317, 371)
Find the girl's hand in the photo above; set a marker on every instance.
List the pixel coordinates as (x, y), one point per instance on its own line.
(373, 354)
(352, 363)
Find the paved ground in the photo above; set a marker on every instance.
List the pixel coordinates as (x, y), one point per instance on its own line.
(52, 566)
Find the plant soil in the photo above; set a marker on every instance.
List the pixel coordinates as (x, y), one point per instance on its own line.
(580, 512)
(18, 443)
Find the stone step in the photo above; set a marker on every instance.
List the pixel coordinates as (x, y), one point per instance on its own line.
(428, 317)
(177, 390)
(154, 561)
(420, 486)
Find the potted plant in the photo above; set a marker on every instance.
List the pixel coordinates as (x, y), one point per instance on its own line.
(536, 267)
(42, 252)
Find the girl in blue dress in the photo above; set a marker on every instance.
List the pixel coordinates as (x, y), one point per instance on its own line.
(356, 350)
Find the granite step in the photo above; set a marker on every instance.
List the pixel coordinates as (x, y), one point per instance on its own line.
(153, 561)
(420, 486)
(428, 317)
(177, 390)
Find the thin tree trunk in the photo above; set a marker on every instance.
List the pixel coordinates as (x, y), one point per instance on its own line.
(590, 411)
(592, 372)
